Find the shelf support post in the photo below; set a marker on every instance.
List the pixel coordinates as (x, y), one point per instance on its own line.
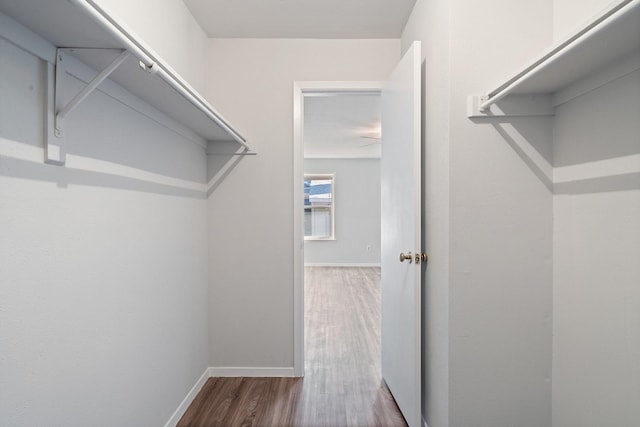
(54, 153)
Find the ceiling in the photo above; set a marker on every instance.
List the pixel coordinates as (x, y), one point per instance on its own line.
(342, 126)
(324, 19)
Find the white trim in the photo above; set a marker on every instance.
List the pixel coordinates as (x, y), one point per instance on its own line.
(299, 89)
(298, 230)
(236, 371)
(186, 402)
(342, 264)
(339, 87)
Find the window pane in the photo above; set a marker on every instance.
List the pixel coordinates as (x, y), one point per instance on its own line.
(318, 206)
(317, 222)
(320, 192)
(307, 222)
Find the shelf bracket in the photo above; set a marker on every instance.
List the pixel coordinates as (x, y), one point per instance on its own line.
(510, 106)
(58, 110)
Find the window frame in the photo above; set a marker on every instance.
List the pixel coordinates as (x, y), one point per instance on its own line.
(332, 206)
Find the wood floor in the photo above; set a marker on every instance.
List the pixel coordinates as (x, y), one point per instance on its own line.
(342, 384)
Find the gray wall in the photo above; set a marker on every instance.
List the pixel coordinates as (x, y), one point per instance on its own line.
(251, 81)
(488, 223)
(357, 211)
(103, 283)
(596, 299)
(596, 320)
(532, 241)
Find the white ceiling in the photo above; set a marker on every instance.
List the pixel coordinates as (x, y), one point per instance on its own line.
(325, 19)
(344, 126)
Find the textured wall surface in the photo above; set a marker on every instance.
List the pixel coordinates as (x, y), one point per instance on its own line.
(251, 83)
(596, 298)
(487, 220)
(103, 283)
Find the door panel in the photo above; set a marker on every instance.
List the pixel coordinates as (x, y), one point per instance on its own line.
(401, 233)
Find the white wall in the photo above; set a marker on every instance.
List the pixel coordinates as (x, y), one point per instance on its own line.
(499, 241)
(251, 211)
(596, 343)
(501, 228)
(569, 15)
(504, 217)
(169, 29)
(103, 284)
(357, 213)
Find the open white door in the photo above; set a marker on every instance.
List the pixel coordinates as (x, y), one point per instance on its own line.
(401, 234)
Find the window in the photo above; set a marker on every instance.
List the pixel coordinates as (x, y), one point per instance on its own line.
(319, 207)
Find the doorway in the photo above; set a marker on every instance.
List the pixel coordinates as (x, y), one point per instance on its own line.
(401, 211)
(337, 160)
(322, 94)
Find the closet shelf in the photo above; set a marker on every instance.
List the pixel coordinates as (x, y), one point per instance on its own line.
(607, 39)
(81, 28)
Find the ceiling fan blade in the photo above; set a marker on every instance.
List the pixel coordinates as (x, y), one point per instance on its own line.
(371, 143)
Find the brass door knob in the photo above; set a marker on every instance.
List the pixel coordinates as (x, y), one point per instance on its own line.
(406, 257)
(421, 258)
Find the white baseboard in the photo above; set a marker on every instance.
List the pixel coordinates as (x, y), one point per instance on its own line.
(250, 372)
(339, 264)
(173, 421)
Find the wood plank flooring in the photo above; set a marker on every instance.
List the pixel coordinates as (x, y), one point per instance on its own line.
(342, 384)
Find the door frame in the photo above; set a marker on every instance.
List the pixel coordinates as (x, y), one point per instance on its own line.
(300, 88)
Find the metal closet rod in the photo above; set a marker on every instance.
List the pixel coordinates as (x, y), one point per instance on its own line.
(506, 88)
(153, 65)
